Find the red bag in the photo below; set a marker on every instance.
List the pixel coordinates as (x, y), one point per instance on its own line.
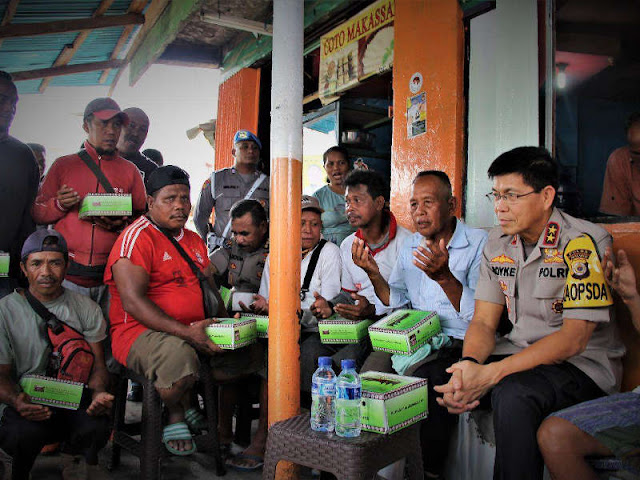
(71, 356)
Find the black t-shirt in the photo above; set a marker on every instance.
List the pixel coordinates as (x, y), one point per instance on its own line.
(145, 166)
(19, 178)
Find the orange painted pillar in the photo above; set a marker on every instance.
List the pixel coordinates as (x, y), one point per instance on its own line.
(238, 106)
(286, 192)
(429, 39)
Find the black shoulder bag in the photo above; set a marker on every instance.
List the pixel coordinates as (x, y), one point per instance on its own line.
(311, 269)
(71, 356)
(210, 296)
(97, 171)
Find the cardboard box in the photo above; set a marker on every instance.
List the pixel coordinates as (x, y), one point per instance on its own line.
(262, 324)
(337, 329)
(233, 333)
(5, 259)
(404, 331)
(53, 392)
(106, 205)
(392, 402)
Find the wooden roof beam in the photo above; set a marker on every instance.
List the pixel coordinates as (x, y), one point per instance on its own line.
(156, 8)
(9, 12)
(65, 70)
(237, 23)
(61, 26)
(68, 51)
(136, 6)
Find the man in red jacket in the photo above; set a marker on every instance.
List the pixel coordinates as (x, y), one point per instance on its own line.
(70, 179)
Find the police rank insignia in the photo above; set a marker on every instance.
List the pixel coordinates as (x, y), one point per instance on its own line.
(585, 286)
(550, 238)
(551, 255)
(502, 259)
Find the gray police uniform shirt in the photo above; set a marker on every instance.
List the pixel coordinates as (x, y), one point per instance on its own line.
(224, 188)
(23, 341)
(245, 268)
(533, 290)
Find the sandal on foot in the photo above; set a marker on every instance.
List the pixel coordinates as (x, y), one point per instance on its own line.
(178, 431)
(195, 421)
(236, 462)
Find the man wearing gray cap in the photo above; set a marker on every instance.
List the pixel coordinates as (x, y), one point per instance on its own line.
(27, 426)
(96, 169)
(228, 186)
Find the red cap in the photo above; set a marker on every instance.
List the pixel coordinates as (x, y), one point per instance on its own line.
(105, 108)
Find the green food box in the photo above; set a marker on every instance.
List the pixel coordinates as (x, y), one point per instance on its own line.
(5, 259)
(225, 293)
(105, 205)
(337, 329)
(404, 331)
(391, 402)
(52, 392)
(233, 333)
(262, 324)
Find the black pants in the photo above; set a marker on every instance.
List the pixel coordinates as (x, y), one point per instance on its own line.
(23, 439)
(520, 403)
(437, 428)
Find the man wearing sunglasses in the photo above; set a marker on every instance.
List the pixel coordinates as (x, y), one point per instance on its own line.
(621, 187)
(544, 267)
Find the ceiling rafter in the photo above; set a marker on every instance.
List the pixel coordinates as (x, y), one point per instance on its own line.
(68, 51)
(76, 25)
(136, 6)
(65, 70)
(152, 14)
(238, 23)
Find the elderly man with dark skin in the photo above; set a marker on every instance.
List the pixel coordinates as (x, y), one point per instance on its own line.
(24, 349)
(437, 269)
(19, 180)
(132, 138)
(563, 348)
(157, 312)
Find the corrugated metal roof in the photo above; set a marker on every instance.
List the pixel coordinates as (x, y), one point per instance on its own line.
(29, 53)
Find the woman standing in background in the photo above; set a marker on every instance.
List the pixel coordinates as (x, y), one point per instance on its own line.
(331, 197)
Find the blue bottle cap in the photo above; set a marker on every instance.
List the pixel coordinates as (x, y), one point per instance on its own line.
(348, 364)
(324, 361)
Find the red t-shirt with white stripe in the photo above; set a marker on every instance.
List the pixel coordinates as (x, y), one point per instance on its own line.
(172, 285)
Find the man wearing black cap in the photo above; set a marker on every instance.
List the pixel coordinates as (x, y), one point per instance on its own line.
(24, 349)
(228, 186)
(157, 314)
(19, 180)
(133, 136)
(68, 182)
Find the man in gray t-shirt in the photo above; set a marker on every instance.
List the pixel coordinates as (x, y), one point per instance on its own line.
(228, 186)
(24, 349)
(543, 267)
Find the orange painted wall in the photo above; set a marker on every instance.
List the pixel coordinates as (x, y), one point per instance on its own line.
(238, 101)
(627, 237)
(429, 39)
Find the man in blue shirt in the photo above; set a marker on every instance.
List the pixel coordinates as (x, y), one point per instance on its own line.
(437, 269)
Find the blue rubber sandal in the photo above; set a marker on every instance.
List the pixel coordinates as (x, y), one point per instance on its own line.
(195, 421)
(178, 431)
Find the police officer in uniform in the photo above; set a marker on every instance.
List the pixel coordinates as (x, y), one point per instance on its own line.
(544, 267)
(229, 185)
(244, 255)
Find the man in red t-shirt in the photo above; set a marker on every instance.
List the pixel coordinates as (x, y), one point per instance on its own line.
(157, 313)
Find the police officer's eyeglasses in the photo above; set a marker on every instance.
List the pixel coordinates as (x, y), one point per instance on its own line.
(509, 198)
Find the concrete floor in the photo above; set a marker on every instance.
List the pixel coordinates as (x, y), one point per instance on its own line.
(198, 466)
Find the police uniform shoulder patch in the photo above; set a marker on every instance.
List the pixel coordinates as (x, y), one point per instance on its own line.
(206, 184)
(502, 259)
(585, 286)
(551, 234)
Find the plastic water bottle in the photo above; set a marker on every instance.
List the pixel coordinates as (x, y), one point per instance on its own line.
(323, 396)
(348, 394)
